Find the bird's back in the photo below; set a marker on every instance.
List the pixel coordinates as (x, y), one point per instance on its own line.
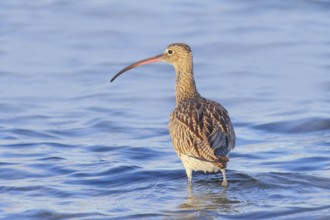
(202, 129)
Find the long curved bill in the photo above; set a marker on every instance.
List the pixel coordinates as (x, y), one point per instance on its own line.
(139, 63)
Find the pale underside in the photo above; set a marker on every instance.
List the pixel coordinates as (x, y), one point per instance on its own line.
(198, 165)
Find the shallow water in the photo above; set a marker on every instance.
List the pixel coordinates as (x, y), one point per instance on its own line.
(74, 146)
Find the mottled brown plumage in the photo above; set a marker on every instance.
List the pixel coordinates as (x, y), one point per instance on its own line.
(200, 129)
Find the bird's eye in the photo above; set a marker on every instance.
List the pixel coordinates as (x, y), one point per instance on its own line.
(170, 51)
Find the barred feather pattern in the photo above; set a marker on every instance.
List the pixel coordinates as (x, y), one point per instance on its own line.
(201, 129)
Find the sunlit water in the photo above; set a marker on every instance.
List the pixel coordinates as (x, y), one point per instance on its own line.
(74, 146)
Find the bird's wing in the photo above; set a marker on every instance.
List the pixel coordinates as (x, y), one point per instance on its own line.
(202, 130)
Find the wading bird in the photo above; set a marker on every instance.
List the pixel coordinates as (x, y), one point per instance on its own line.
(201, 131)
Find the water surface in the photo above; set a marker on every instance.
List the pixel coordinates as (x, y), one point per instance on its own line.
(74, 146)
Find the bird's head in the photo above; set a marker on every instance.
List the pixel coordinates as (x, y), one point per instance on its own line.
(176, 54)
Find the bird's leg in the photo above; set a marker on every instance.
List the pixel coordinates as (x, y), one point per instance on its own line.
(224, 181)
(189, 173)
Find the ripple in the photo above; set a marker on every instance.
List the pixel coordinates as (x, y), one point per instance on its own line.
(296, 126)
(31, 133)
(51, 159)
(18, 174)
(106, 125)
(302, 164)
(50, 214)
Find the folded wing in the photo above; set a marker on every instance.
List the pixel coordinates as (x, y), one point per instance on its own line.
(202, 130)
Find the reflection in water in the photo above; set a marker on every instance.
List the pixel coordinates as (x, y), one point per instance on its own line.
(210, 196)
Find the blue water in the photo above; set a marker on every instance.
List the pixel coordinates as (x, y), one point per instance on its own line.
(74, 146)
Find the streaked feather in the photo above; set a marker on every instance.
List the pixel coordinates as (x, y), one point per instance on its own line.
(201, 128)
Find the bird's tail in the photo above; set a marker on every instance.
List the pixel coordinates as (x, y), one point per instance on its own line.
(222, 162)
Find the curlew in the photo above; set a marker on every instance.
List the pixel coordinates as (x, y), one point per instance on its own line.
(200, 129)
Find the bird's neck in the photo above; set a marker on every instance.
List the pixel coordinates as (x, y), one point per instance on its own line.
(185, 83)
